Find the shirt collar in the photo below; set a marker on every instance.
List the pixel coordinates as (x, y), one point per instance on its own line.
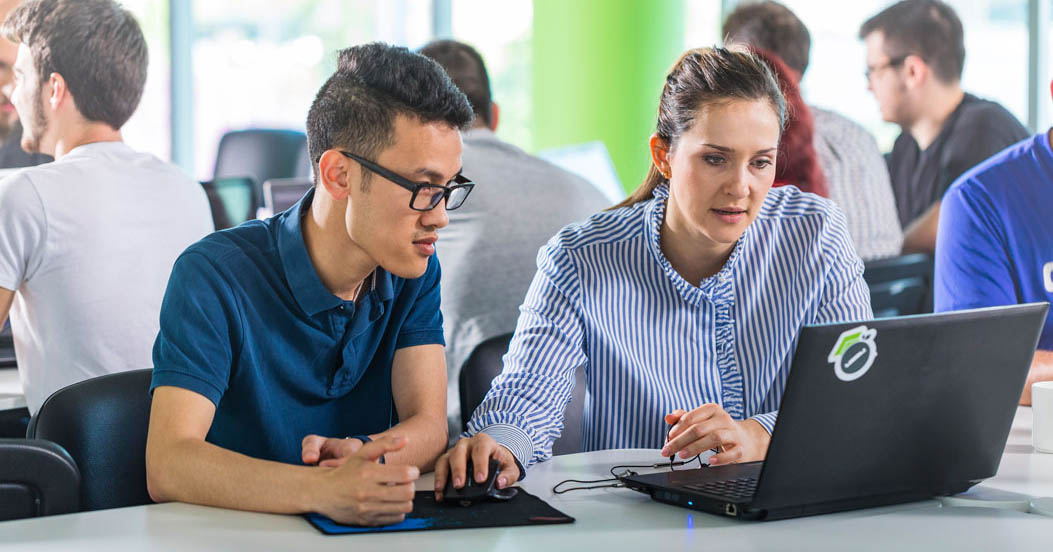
(308, 289)
(96, 148)
(479, 134)
(709, 287)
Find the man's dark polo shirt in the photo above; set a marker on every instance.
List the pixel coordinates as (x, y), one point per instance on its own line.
(247, 323)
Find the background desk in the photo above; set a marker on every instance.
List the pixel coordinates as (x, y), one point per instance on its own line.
(608, 519)
(10, 389)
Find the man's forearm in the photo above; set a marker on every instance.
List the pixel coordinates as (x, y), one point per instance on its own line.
(7, 297)
(189, 470)
(1041, 370)
(920, 236)
(426, 439)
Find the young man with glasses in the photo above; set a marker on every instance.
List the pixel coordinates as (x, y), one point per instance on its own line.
(915, 54)
(323, 320)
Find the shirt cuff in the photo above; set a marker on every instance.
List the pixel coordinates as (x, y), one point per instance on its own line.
(766, 420)
(186, 381)
(8, 283)
(413, 338)
(515, 440)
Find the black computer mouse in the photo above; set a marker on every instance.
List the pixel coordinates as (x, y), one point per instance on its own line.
(473, 491)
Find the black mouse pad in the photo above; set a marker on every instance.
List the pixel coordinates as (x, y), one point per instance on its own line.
(427, 515)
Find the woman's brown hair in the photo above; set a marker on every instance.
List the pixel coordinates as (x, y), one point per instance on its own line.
(700, 77)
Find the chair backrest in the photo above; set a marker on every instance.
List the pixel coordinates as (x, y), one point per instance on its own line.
(900, 286)
(37, 478)
(484, 364)
(262, 153)
(233, 200)
(102, 422)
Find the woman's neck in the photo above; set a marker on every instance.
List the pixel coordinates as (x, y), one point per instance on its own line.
(692, 255)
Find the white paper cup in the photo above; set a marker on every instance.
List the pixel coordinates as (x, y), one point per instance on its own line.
(1042, 409)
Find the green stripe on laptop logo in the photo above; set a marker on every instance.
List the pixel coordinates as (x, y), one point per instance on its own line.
(853, 353)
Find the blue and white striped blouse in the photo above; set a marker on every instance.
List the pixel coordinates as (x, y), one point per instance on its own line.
(606, 298)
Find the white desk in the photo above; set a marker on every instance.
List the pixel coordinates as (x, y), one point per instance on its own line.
(608, 519)
(10, 389)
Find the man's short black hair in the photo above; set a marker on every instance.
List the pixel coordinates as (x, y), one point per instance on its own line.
(770, 26)
(926, 28)
(356, 108)
(465, 67)
(97, 47)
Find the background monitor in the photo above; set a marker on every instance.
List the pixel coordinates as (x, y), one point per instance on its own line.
(591, 162)
(279, 194)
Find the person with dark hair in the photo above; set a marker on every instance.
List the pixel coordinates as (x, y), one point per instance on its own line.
(994, 243)
(299, 366)
(796, 163)
(11, 153)
(915, 56)
(855, 172)
(682, 303)
(86, 242)
(488, 252)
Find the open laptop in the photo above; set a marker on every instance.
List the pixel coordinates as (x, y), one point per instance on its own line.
(877, 412)
(279, 194)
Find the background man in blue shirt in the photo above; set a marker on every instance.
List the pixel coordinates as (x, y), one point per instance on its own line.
(323, 320)
(995, 243)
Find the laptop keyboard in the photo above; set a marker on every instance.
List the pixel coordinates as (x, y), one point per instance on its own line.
(739, 489)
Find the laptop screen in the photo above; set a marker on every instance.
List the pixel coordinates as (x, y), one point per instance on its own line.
(282, 193)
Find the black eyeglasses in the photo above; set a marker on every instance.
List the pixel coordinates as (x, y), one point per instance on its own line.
(869, 72)
(425, 196)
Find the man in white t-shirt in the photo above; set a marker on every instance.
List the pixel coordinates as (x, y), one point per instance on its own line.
(87, 242)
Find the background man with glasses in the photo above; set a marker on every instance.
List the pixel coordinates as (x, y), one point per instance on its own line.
(323, 320)
(915, 55)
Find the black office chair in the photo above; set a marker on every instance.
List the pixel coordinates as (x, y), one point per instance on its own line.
(261, 153)
(484, 364)
(12, 421)
(102, 422)
(233, 200)
(900, 286)
(37, 478)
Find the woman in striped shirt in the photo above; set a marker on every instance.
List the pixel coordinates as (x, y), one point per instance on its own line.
(683, 303)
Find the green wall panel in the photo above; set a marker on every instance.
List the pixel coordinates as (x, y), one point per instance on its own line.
(598, 68)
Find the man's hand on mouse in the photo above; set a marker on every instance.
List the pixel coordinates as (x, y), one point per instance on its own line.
(327, 451)
(480, 448)
(362, 491)
(711, 427)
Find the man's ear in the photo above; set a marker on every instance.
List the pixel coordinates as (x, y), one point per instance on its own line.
(915, 71)
(57, 91)
(495, 115)
(336, 174)
(660, 155)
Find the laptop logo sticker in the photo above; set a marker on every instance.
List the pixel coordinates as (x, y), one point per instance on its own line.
(853, 353)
